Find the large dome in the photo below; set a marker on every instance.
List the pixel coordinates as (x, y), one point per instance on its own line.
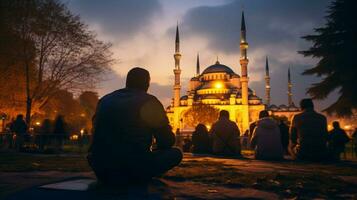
(217, 68)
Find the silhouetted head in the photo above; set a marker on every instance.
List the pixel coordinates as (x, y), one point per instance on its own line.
(201, 128)
(19, 117)
(263, 114)
(306, 104)
(336, 124)
(138, 78)
(224, 114)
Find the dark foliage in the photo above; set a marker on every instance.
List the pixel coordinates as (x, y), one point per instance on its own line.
(335, 45)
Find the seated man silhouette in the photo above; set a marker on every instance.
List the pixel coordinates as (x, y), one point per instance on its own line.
(308, 134)
(125, 123)
(225, 136)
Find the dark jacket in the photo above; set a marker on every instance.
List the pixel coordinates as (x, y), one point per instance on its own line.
(201, 142)
(284, 132)
(266, 140)
(124, 124)
(225, 137)
(308, 133)
(338, 139)
(19, 127)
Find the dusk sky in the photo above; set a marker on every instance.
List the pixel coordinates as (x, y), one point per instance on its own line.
(143, 34)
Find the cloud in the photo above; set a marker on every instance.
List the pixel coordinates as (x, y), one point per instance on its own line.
(271, 22)
(117, 18)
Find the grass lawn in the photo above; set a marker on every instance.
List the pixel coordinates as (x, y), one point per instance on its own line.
(317, 181)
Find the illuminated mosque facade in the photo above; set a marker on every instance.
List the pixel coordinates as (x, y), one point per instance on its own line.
(219, 86)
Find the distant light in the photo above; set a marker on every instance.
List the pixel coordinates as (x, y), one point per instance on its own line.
(348, 127)
(218, 85)
(208, 127)
(38, 123)
(82, 131)
(74, 137)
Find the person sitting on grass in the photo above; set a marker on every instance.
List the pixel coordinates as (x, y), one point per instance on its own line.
(201, 140)
(225, 136)
(125, 123)
(337, 140)
(266, 138)
(308, 134)
(19, 127)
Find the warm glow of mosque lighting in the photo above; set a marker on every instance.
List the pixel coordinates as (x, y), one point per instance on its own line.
(218, 85)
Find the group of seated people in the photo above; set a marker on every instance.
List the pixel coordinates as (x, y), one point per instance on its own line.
(129, 121)
(308, 138)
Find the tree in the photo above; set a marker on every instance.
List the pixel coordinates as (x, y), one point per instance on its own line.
(201, 113)
(335, 45)
(65, 53)
(88, 100)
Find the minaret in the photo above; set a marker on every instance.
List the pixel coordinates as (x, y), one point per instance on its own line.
(244, 62)
(267, 83)
(198, 65)
(290, 85)
(177, 70)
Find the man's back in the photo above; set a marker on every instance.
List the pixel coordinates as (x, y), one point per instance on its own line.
(309, 131)
(225, 137)
(125, 122)
(338, 138)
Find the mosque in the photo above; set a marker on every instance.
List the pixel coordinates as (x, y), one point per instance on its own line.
(219, 86)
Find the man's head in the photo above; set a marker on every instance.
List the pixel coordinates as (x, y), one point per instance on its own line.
(19, 117)
(306, 104)
(224, 114)
(138, 78)
(336, 124)
(263, 114)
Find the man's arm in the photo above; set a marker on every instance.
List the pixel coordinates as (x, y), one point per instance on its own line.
(154, 116)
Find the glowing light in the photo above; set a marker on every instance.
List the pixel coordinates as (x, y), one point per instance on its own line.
(74, 137)
(82, 131)
(348, 127)
(218, 85)
(38, 123)
(208, 127)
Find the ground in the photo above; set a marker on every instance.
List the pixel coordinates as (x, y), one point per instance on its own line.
(197, 177)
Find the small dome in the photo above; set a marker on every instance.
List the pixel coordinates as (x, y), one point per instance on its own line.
(195, 79)
(293, 108)
(216, 68)
(273, 107)
(185, 97)
(283, 107)
(253, 97)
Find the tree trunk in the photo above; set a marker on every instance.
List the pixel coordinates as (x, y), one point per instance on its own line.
(28, 96)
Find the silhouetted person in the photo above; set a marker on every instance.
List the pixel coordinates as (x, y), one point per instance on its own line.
(308, 133)
(266, 138)
(251, 128)
(284, 132)
(187, 145)
(225, 136)
(354, 140)
(179, 139)
(44, 132)
(201, 140)
(337, 140)
(124, 125)
(19, 127)
(60, 131)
